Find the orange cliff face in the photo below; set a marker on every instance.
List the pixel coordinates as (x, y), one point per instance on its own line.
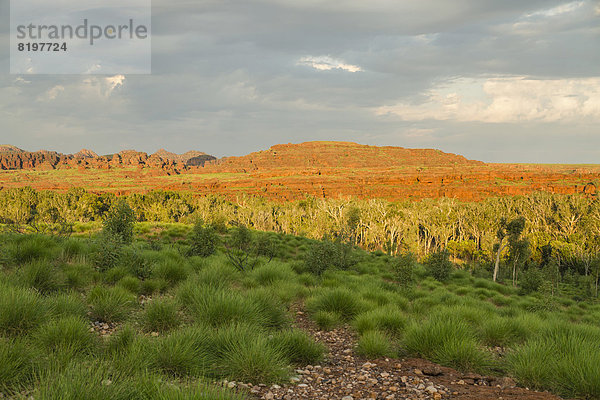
(292, 171)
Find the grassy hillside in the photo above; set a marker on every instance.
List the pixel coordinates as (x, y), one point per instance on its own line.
(161, 318)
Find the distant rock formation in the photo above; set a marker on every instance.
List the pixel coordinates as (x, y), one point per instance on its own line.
(13, 158)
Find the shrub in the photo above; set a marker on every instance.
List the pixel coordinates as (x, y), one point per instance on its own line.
(318, 259)
(531, 280)
(160, 315)
(326, 254)
(204, 240)
(265, 246)
(135, 263)
(374, 344)
(403, 266)
(239, 249)
(298, 347)
(438, 265)
(110, 304)
(20, 310)
(109, 249)
(119, 222)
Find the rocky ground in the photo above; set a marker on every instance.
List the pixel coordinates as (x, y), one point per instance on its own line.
(346, 376)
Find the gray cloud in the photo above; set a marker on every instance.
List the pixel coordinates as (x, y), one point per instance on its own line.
(227, 79)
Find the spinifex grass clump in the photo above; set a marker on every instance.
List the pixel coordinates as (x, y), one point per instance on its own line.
(161, 315)
(387, 319)
(563, 358)
(245, 353)
(43, 276)
(67, 334)
(110, 304)
(340, 301)
(18, 361)
(20, 310)
(298, 347)
(375, 344)
(448, 341)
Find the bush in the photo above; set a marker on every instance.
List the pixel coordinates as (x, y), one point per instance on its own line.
(531, 280)
(375, 344)
(239, 249)
(318, 259)
(20, 310)
(298, 347)
(403, 266)
(438, 265)
(110, 304)
(160, 315)
(326, 254)
(109, 249)
(119, 222)
(204, 240)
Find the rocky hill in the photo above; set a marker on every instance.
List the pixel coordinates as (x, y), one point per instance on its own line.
(340, 155)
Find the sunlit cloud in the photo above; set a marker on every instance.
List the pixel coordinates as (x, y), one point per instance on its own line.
(326, 63)
(505, 100)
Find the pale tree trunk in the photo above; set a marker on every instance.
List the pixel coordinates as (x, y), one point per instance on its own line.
(497, 266)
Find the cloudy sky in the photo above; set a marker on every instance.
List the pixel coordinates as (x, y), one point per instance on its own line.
(494, 80)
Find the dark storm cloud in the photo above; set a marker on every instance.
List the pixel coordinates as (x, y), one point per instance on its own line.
(228, 78)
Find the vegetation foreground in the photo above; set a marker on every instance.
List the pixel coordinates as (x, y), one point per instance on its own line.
(118, 315)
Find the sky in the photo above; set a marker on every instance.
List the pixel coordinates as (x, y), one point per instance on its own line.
(497, 81)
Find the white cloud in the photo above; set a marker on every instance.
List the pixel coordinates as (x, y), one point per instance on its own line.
(558, 10)
(114, 82)
(326, 63)
(508, 99)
